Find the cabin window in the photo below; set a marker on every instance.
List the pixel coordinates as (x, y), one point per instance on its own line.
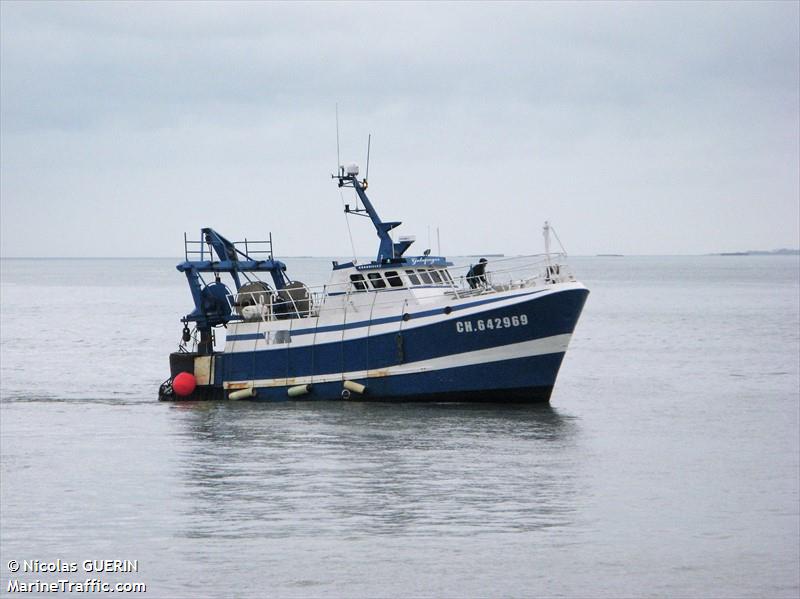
(413, 277)
(435, 276)
(446, 276)
(394, 279)
(376, 280)
(358, 282)
(424, 276)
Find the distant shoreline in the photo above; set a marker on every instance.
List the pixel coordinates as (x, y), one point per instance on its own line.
(780, 252)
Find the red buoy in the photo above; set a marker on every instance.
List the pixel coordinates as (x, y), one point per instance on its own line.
(184, 383)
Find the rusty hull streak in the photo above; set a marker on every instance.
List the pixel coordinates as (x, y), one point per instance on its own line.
(236, 386)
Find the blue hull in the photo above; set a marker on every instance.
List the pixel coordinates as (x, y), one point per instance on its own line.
(432, 354)
(522, 379)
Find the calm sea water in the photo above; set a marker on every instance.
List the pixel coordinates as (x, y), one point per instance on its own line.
(667, 464)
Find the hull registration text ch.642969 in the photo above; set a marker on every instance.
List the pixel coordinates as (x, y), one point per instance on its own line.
(490, 324)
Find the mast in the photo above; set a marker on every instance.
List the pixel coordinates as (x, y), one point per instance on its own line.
(546, 233)
(388, 249)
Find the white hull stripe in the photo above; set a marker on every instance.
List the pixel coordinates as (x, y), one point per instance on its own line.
(536, 347)
(250, 336)
(241, 332)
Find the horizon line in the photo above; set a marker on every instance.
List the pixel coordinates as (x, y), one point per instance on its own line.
(779, 252)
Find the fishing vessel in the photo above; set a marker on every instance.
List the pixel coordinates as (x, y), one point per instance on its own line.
(399, 327)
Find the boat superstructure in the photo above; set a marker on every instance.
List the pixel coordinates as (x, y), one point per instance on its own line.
(396, 328)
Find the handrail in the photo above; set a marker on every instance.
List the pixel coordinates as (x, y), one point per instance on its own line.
(545, 270)
(262, 247)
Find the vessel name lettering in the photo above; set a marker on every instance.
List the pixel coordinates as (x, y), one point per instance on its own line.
(489, 324)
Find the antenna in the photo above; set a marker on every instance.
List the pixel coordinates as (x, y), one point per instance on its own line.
(338, 160)
(561, 245)
(369, 142)
(347, 220)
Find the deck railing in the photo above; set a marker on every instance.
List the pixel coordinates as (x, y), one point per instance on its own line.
(500, 275)
(199, 250)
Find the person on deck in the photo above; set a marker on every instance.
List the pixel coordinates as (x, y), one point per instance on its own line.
(476, 277)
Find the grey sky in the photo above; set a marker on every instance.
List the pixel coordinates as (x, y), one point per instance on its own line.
(635, 128)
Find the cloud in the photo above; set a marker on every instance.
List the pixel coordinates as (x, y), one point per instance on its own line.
(631, 125)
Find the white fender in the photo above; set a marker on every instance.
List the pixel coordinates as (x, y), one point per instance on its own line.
(354, 387)
(242, 393)
(298, 390)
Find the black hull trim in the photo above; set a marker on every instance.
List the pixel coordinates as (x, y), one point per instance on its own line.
(533, 395)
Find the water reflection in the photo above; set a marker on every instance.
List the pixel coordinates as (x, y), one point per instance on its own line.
(297, 469)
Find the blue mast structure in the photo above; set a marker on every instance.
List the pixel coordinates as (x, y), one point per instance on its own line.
(388, 250)
(218, 255)
(211, 306)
